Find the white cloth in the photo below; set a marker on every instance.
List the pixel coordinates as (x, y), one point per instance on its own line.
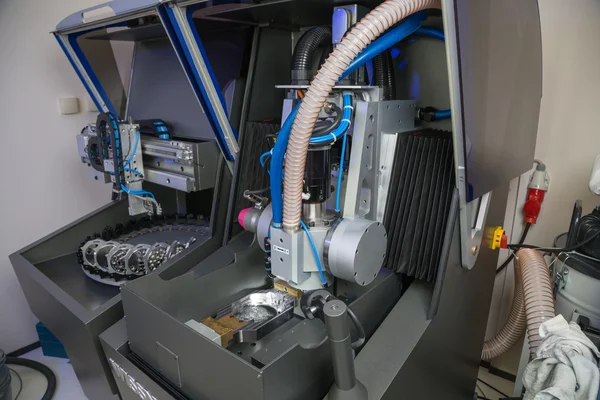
(594, 184)
(565, 366)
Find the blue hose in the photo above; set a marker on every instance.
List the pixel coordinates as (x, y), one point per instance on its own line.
(338, 190)
(135, 171)
(281, 147)
(430, 32)
(135, 146)
(136, 192)
(277, 166)
(435, 34)
(408, 26)
(315, 252)
(263, 157)
(342, 128)
(442, 114)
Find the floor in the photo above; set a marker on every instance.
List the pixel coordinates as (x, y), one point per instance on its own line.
(500, 384)
(509, 362)
(34, 383)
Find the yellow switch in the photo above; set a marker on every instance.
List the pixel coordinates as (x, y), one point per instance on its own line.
(497, 238)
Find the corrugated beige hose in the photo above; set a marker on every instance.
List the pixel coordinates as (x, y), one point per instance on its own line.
(362, 34)
(514, 327)
(537, 292)
(532, 305)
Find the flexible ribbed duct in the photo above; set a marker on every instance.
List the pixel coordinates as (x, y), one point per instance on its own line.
(361, 35)
(537, 291)
(533, 303)
(514, 327)
(304, 52)
(383, 74)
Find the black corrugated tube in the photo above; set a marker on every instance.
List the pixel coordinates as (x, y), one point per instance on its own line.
(304, 53)
(44, 370)
(383, 74)
(379, 67)
(5, 387)
(391, 77)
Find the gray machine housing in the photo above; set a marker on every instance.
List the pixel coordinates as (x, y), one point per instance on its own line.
(291, 362)
(414, 331)
(77, 309)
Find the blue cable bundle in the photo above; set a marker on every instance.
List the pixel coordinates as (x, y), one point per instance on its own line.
(342, 128)
(136, 192)
(409, 26)
(126, 164)
(135, 146)
(162, 129)
(324, 139)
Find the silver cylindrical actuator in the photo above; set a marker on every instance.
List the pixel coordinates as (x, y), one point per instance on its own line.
(346, 385)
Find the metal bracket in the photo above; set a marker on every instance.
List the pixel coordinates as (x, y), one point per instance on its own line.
(361, 186)
(344, 17)
(375, 132)
(560, 281)
(131, 145)
(168, 363)
(472, 225)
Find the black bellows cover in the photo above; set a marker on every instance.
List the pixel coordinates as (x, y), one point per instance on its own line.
(418, 202)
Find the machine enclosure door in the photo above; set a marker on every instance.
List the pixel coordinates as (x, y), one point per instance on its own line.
(137, 21)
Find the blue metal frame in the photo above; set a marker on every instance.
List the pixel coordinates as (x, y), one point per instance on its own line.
(87, 68)
(194, 76)
(189, 12)
(174, 32)
(179, 48)
(215, 112)
(60, 41)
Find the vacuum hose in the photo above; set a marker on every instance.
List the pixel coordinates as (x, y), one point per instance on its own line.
(304, 53)
(537, 291)
(360, 36)
(511, 331)
(532, 305)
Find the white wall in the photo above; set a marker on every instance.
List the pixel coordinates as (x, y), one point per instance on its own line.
(44, 184)
(568, 135)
